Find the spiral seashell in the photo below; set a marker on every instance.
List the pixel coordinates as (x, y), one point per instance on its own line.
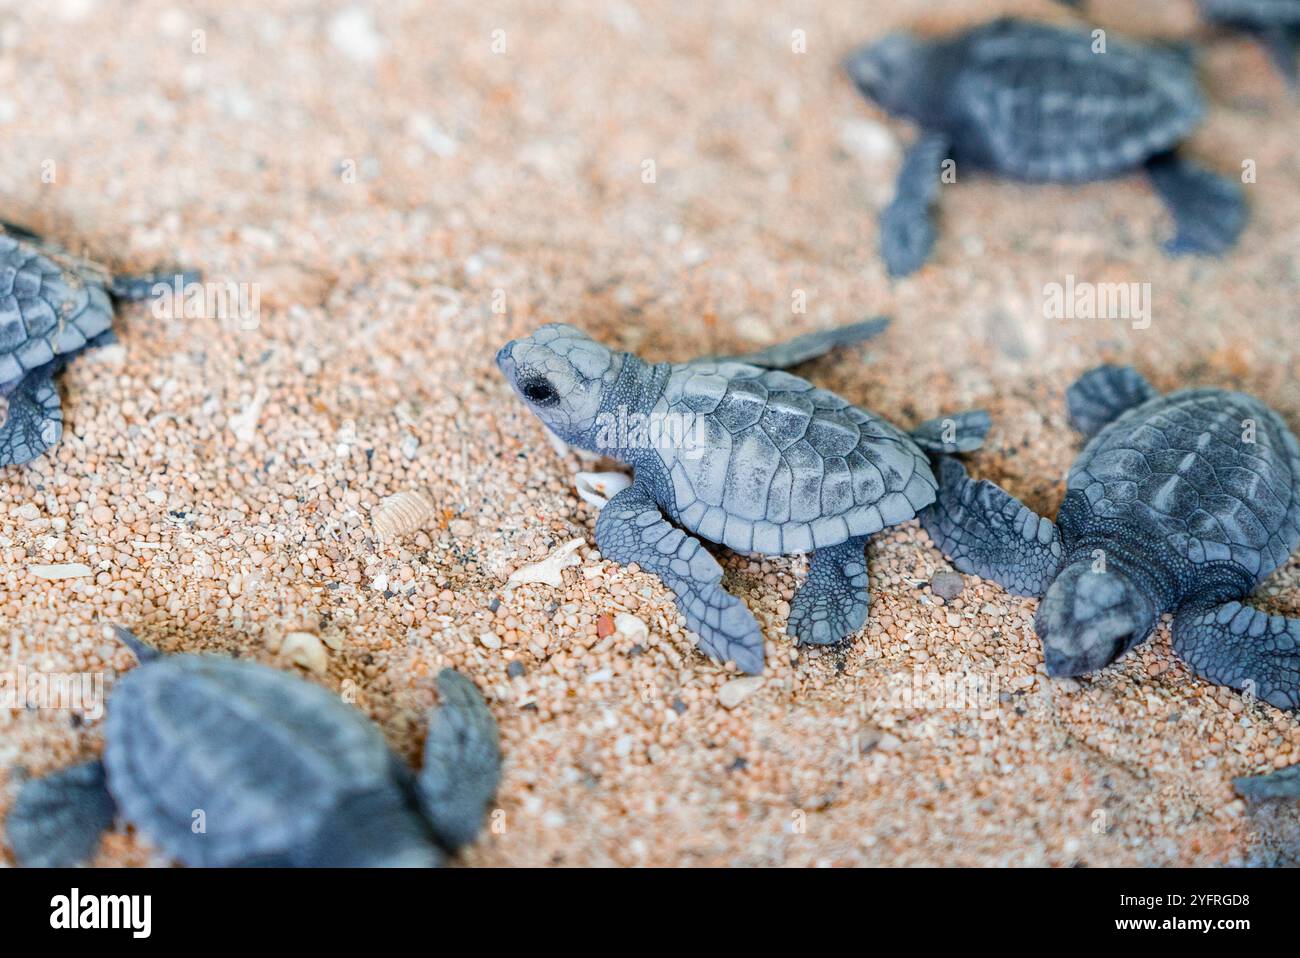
(400, 514)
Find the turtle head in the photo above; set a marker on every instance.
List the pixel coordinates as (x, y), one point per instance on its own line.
(563, 375)
(1089, 618)
(892, 71)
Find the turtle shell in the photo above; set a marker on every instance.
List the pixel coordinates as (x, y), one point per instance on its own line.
(263, 760)
(1253, 13)
(1214, 473)
(51, 304)
(769, 463)
(1034, 101)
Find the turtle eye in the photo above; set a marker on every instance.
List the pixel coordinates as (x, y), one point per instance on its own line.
(540, 392)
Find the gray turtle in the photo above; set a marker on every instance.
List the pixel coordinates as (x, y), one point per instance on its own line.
(223, 762)
(1035, 102)
(52, 305)
(756, 459)
(1180, 503)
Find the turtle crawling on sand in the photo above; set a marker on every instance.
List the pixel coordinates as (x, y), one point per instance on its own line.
(52, 305)
(1180, 503)
(223, 762)
(1042, 103)
(757, 459)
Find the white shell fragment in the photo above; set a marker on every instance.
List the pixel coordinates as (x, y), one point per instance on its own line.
(597, 488)
(60, 570)
(548, 570)
(306, 650)
(737, 690)
(629, 626)
(400, 514)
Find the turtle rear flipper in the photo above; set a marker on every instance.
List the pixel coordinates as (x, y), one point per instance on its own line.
(34, 420)
(462, 762)
(1102, 395)
(960, 432)
(1209, 210)
(832, 603)
(58, 819)
(812, 345)
(375, 828)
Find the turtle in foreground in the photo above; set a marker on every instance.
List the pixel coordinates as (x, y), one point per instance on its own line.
(1276, 24)
(735, 451)
(223, 762)
(52, 305)
(1180, 503)
(1035, 102)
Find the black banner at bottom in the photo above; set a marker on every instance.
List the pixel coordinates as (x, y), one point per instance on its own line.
(337, 907)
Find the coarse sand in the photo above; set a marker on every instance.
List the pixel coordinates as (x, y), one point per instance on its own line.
(405, 187)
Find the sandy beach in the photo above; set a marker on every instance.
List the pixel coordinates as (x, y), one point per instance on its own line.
(402, 188)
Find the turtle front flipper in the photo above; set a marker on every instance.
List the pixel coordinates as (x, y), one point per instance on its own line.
(983, 530)
(1209, 210)
(462, 762)
(57, 820)
(34, 421)
(960, 432)
(1243, 648)
(1284, 783)
(1102, 395)
(631, 528)
(906, 225)
(832, 603)
(812, 345)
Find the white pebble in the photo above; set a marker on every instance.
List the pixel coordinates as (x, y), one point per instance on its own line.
(737, 690)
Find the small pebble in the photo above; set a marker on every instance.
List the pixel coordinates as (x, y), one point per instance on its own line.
(947, 585)
(737, 690)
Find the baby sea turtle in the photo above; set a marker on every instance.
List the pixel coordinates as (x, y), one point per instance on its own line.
(742, 454)
(1042, 103)
(52, 305)
(1276, 23)
(1180, 503)
(224, 762)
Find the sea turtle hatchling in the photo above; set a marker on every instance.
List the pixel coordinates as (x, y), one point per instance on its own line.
(52, 305)
(1041, 103)
(225, 762)
(1179, 503)
(756, 459)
